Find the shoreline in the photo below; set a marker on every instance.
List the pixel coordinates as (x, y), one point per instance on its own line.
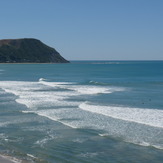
(35, 63)
(8, 159)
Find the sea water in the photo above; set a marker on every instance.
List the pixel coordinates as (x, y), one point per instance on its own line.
(82, 112)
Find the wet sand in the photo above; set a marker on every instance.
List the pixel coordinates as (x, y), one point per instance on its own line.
(5, 160)
(8, 159)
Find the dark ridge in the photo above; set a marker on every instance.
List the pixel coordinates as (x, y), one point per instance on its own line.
(28, 50)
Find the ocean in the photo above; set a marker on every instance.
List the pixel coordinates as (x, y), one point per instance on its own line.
(82, 112)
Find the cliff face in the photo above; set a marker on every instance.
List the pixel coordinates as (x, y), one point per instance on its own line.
(28, 51)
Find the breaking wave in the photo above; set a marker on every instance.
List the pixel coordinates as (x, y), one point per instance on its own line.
(151, 117)
(55, 101)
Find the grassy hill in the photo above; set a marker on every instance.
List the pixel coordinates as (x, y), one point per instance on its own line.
(28, 51)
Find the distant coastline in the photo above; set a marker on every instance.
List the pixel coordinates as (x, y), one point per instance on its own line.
(28, 50)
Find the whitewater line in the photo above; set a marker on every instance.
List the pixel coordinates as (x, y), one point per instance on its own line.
(148, 117)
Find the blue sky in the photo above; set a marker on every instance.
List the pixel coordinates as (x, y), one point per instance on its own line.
(88, 29)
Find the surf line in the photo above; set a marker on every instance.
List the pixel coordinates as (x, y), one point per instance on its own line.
(112, 112)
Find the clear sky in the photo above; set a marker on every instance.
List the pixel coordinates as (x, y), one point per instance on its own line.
(88, 29)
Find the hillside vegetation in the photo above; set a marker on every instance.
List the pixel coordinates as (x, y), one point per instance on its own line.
(28, 51)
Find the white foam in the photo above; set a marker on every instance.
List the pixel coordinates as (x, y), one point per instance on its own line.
(54, 84)
(42, 79)
(16, 87)
(31, 156)
(2, 124)
(83, 89)
(145, 135)
(34, 104)
(45, 99)
(28, 94)
(147, 144)
(26, 112)
(50, 114)
(90, 90)
(31, 94)
(37, 95)
(11, 91)
(89, 154)
(151, 117)
(71, 117)
(104, 134)
(157, 146)
(42, 141)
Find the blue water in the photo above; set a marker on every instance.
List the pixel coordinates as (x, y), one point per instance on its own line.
(82, 112)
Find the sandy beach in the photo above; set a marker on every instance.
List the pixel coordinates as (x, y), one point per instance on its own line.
(6, 159)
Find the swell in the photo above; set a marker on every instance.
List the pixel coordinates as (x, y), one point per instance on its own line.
(136, 125)
(128, 131)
